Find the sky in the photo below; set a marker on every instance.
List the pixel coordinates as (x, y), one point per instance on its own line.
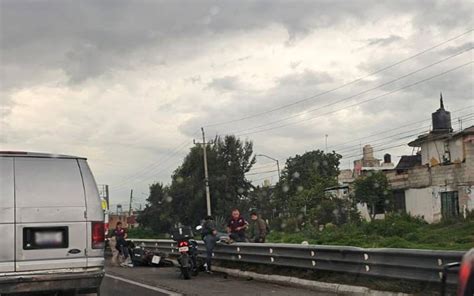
(129, 84)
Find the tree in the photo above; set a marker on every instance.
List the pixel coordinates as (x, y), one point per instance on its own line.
(157, 214)
(373, 190)
(304, 179)
(228, 159)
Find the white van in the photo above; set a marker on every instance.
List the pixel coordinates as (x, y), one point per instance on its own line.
(51, 224)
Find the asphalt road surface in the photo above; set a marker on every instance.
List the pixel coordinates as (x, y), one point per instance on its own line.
(147, 281)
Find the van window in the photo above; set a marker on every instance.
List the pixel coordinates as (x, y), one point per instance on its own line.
(48, 182)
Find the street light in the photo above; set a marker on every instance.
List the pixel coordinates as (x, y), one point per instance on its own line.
(276, 160)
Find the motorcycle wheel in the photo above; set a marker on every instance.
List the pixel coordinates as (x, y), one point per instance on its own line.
(185, 273)
(194, 268)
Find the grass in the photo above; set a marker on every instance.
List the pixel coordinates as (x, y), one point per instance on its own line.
(394, 232)
(142, 233)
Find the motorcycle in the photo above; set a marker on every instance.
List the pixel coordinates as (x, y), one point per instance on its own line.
(188, 251)
(146, 257)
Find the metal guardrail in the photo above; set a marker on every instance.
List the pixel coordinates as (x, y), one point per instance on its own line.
(407, 264)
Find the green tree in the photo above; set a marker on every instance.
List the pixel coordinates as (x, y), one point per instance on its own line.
(374, 190)
(303, 181)
(262, 199)
(157, 214)
(228, 159)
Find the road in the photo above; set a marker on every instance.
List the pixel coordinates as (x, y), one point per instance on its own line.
(147, 281)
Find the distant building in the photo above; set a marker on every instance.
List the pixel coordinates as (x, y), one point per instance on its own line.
(369, 163)
(438, 182)
(128, 221)
(435, 183)
(345, 176)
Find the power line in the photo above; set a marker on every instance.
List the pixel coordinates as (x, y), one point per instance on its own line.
(153, 167)
(393, 129)
(359, 154)
(341, 86)
(147, 168)
(362, 102)
(354, 150)
(356, 95)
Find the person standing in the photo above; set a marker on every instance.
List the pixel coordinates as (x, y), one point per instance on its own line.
(209, 236)
(237, 226)
(257, 229)
(121, 235)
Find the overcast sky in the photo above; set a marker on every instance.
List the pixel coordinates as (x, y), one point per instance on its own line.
(128, 84)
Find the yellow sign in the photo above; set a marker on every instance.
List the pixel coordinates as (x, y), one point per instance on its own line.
(104, 204)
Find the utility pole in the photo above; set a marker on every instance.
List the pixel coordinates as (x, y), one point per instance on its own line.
(131, 199)
(107, 198)
(326, 143)
(206, 173)
(275, 160)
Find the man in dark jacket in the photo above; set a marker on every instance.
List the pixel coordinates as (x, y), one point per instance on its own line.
(209, 236)
(257, 229)
(120, 235)
(237, 226)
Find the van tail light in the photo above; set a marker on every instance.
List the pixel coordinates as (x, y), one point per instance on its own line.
(98, 235)
(464, 273)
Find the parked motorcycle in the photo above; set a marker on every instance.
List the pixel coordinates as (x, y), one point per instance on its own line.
(188, 251)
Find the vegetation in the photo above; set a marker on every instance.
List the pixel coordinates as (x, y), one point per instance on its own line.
(395, 231)
(373, 190)
(184, 200)
(297, 207)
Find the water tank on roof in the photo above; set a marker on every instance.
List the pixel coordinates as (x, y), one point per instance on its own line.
(387, 158)
(441, 119)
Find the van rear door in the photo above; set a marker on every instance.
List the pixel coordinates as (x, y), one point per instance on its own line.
(7, 215)
(51, 229)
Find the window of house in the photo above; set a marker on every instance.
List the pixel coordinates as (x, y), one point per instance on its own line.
(399, 201)
(449, 204)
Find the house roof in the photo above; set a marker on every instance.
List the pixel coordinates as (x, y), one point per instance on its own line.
(408, 161)
(440, 136)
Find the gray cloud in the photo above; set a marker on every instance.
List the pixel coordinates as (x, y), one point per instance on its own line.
(88, 38)
(127, 81)
(384, 41)
(227, 83)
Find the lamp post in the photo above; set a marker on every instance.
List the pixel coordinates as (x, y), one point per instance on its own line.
(274, 159)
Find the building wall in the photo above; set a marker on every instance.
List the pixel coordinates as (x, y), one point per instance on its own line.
(457, 150)
(364, 212)
(424, 184)
(432, 152)
(419, 203)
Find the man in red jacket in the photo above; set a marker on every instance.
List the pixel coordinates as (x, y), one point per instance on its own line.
(237, 226)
